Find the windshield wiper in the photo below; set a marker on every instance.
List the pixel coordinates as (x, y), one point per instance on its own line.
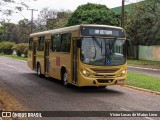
(96, 41)
(111, 44)
(99, 44)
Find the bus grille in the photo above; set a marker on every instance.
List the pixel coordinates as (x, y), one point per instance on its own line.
(105, 73)
(105, 70)
(98, 75)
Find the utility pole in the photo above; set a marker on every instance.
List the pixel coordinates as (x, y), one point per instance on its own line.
(122, 14)
(32, 10)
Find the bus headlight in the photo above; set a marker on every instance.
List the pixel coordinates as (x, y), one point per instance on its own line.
(123, 72)
(85, 73)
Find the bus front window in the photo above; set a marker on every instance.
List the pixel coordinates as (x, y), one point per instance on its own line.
(103, 51)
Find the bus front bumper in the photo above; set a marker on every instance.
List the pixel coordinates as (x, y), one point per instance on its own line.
(93, 81)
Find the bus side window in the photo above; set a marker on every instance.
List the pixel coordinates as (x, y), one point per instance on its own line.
(40, 43)
(66, 40)
(30, 43)
(56, 42)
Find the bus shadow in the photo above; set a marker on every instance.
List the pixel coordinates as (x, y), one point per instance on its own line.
(86, 89)
(96, 90)
(73, 89)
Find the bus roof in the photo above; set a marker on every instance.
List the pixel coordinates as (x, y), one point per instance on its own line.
(70, 28)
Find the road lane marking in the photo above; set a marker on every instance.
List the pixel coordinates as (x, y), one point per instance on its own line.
(144, 68)
(8, 65)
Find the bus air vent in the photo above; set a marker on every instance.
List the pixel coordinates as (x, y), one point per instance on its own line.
(104, 81)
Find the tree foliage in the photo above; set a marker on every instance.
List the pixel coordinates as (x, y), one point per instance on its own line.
(21, 48)
(93, 14)
(6, 8)
(143, 23)
(18, 33)
(6, 47)
(51, 19)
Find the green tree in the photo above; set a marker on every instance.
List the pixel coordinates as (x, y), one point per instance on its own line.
(93, 14)
(23, 31)
(6, 31)
(143, 23)
(52, 19)
(60, 21)
(18, 33)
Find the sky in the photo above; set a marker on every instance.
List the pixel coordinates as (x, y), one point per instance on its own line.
(59, 5)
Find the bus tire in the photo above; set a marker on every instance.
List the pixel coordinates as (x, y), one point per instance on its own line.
(39, 70)
(65, 78)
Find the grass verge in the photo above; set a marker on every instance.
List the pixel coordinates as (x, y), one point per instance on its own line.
(14, 57)
(144, 63)
(143, 81)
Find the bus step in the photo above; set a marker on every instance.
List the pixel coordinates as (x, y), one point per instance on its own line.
(74, 83)
(46, 75)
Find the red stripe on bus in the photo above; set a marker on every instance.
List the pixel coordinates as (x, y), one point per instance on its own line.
(57, 61)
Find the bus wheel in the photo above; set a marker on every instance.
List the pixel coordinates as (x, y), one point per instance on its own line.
(39, 70)
(64, 78)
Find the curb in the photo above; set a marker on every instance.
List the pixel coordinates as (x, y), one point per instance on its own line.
(142, 89)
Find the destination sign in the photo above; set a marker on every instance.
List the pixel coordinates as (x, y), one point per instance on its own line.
(102, 31)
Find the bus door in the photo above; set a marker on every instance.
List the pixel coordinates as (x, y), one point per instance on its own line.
(46, 57)
(34, 54)
(75, 61)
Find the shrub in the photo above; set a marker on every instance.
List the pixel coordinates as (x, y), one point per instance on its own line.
(6, 46)
(21, 48)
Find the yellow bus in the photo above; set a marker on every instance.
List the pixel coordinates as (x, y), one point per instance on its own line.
(82, 55)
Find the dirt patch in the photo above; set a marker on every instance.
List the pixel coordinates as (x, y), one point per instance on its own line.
(9, 103)
(1, 106)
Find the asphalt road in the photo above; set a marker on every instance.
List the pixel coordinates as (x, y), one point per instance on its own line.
(44, 94)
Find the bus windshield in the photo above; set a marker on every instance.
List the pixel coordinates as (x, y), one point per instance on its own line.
(103, 51)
